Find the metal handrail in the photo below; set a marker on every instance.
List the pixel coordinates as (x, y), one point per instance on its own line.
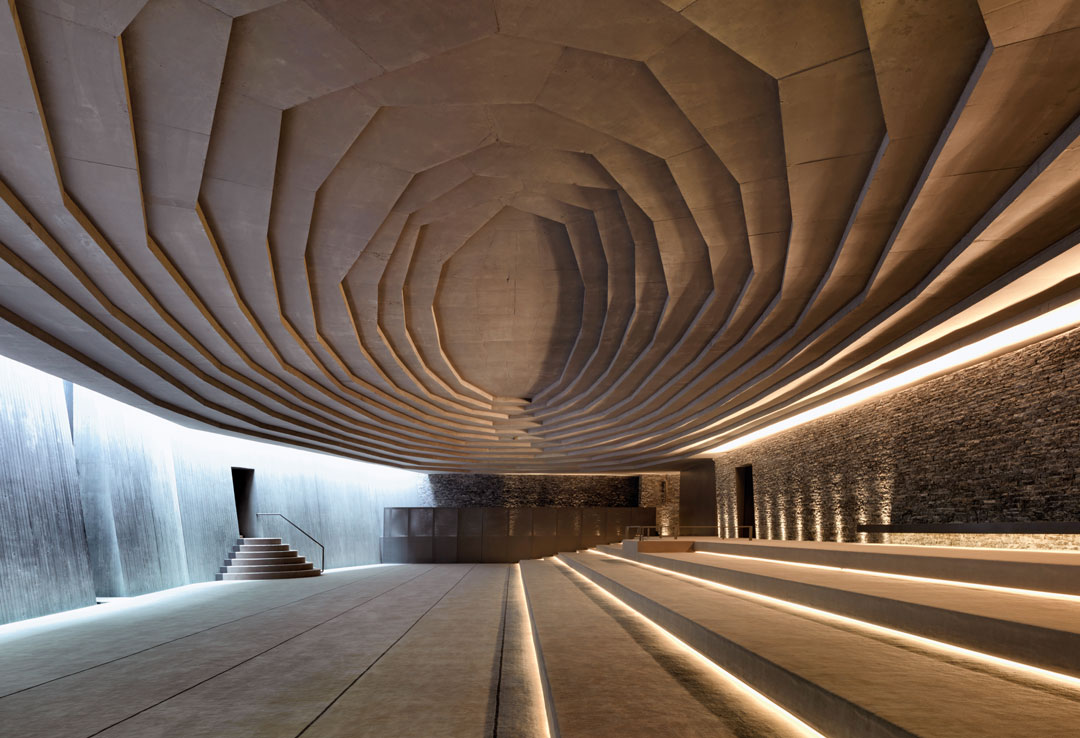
(322, 548)
(747, 527)
(679, 527)
(641, 530)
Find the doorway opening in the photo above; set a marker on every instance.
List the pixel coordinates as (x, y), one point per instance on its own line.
(744, 501)
(243, 480)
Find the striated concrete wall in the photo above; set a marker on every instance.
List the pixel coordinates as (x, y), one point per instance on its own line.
(44, 563)
(128, 489)
(997, 441)
(98, 498)
(533, 490)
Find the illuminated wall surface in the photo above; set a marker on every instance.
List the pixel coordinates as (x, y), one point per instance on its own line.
(118, 502)
(662, 492)
(995, 442)
(533, 490)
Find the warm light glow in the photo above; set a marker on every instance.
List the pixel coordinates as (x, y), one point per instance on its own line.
(1036, 671)
(1048, 323)
(908, 577)
(539, 698)
(795, 724)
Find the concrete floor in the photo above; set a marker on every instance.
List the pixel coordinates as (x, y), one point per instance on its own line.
(386, 650)
(393, 650)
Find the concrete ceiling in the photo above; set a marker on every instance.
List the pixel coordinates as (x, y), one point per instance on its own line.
(518, 235)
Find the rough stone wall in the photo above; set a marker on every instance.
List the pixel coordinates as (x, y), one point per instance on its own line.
(997, 441)
(533, 490)
(662, 492)
(1045, 541)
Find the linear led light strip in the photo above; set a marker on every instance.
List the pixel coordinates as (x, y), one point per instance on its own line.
(799, 727)
(1048, 323)
(538, 691)
(909, 577)
(1065, 679)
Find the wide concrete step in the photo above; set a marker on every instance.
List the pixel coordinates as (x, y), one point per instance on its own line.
(257, 541)
(234, 569)
(249, 547)
(284, 551)
(607, 673)
(843, 678)
(258, 562)
(230, 577)
(1047, 571)
(1036, 630)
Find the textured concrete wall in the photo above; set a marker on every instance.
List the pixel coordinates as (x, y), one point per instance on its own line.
(114, 501)
(337, 501)
(662, 492)
(533, 490)
(44, 565)
(998, 441)
(205, 496)
(158, 474)
(128, 490)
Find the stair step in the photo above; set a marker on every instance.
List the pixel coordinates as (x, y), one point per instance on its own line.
(255, 541)
(1039, 631)
(600, 680)
(260, 562)
(263, 554)
(230, 577)
(234, 569)
(844, 679)
(1047, 571)
(261, 547)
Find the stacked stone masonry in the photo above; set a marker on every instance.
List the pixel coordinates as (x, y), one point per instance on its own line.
(662, 492)
(997, 441)
(532, 490)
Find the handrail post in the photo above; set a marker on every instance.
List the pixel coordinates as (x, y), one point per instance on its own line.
(322, 548)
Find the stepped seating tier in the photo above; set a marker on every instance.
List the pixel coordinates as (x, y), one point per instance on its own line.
(842, 678)
(1040, 631)
(845, 645)
(607, 673)
(264, 558)
(1047, 571)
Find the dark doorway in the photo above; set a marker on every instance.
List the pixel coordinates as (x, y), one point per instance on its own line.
(242, 482)
(744, 500)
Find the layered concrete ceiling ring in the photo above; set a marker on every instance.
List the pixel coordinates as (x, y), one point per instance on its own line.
(522, 235)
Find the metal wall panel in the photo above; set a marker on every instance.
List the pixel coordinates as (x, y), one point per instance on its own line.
(545, 522)
(501, 534)
(446, 521)
(421, 521)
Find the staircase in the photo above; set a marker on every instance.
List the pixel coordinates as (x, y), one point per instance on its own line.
(858, 641)
(264, 558)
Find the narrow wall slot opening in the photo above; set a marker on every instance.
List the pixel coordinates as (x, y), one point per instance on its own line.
(744, 501)
(243, 480)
